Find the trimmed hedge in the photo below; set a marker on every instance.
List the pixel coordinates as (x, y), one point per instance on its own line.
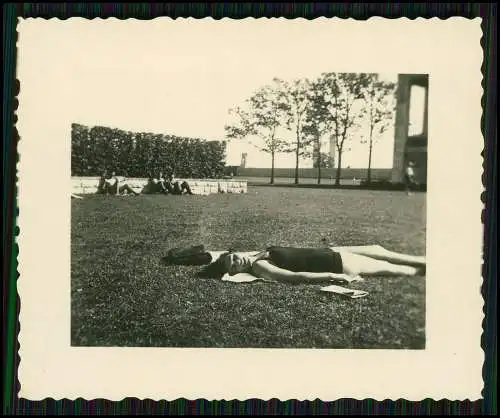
(96, 149)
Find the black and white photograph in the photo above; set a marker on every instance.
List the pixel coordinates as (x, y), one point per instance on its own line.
(283, 207)
(252, 188)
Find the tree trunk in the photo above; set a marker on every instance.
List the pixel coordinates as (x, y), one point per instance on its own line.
(370, 148)
(272, 167)
(339, 167)
(297, 152)
(320, 160)
(369, 174)
(297, 165)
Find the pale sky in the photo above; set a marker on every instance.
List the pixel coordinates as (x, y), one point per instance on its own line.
(177, 78)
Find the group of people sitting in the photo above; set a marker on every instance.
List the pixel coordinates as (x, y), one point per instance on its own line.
(168, 185)
(112, 184)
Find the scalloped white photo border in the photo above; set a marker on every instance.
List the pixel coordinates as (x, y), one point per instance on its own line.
(450, 366)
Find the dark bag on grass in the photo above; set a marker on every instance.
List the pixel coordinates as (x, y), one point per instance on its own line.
(194, 255)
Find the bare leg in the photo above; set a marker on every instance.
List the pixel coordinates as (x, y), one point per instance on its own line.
(185, 186)
(126, 187)
(162, 188)
(407, 186)
(355, 264)
(380, 253)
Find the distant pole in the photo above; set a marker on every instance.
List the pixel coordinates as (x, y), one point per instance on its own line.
(243, 163)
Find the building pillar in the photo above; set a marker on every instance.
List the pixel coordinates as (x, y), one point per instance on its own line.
(401, 128)
(426, 111)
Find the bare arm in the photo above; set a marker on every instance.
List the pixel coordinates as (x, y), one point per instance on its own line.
(266, 270)
(216, 254)
(117, 185)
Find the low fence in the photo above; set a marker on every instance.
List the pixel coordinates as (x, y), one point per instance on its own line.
(89, 185)
(312, 173)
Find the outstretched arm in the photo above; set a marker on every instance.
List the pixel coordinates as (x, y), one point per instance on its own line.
(266, 270)
(216, 254)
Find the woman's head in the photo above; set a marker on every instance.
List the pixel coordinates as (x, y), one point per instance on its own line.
(235, 263)
(229, 262)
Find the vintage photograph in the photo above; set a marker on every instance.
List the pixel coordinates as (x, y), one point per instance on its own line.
(250, 209)
(252, 194)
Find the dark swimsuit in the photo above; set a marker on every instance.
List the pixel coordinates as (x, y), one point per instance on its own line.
(311, 260)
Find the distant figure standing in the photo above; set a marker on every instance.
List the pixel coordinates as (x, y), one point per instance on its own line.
(410, 181)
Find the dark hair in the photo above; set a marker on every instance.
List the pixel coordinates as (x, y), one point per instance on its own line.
(215, 270)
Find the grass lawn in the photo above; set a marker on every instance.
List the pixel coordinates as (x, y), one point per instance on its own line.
(122, 296)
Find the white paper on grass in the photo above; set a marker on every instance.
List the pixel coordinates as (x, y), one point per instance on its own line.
(352, 293)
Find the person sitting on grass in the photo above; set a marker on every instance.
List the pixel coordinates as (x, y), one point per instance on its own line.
(291, 264)
(150, 187)
(176, 187)
(156, 184)
(114, 185)
(161, 182)
(102, 186)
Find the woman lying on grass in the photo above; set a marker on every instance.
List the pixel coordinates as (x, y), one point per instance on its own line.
(289, 264)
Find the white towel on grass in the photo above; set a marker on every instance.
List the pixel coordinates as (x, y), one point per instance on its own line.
(248, 278)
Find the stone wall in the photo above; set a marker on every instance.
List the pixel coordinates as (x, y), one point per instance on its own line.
(88, 185)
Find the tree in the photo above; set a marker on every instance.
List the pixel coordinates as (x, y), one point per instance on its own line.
(340, 92)
(265, 112)
(379, 97)
(81, 151)
(312, 136)
(99, 148)
(158, 146)
(298, 98)
(138, 159)
(123, 147)
(324, 160)
(103, 150)
(315, 126)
